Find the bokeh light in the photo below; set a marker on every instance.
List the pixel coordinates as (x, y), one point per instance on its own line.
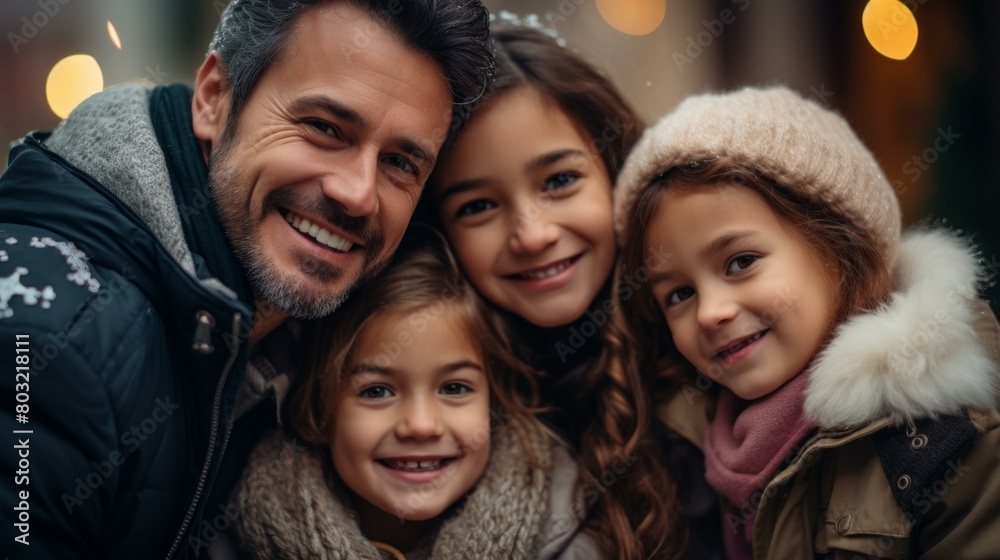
(890, 28)
(634, 17)
(113, 34)
(72, 80)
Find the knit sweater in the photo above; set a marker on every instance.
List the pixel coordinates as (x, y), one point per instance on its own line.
(292, 506)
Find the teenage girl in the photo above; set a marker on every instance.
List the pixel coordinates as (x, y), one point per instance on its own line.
(854, 408)
(408, 437)
(525, 199)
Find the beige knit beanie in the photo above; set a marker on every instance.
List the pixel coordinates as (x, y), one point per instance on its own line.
(794, 142)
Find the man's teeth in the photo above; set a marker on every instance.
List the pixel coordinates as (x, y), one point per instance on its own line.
(321, 235)
(550, 271)
(741, 345)
(416, 465)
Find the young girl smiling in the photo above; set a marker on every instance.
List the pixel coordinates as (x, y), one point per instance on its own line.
(524, 196)
(418, 444)
(852, 380)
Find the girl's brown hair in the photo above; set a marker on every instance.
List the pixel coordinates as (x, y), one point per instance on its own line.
(638, 516)
(863, 279)
(528, 58)
(424, 280)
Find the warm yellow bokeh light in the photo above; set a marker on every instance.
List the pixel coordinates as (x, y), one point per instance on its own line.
(890, 28)
(72, 80)
(113, 34)
(635, 17)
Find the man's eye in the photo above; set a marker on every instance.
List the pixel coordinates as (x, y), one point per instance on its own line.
(325, 128)
(402, 163)
(375, 392)
(475, 207)
(679, 295)
(455, 389)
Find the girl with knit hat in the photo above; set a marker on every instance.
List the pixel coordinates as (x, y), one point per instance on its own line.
(409, 437)
(525, 199)
(833, 367)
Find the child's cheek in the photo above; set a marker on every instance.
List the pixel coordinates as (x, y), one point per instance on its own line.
(687, 344)
(477, 433)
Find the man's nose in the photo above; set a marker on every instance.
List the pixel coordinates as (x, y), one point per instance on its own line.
(354, 185)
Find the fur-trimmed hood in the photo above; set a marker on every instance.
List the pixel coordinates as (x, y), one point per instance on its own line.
(917, 356)
(289, 510)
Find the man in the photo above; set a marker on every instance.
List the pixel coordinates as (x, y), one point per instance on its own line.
(157, 236)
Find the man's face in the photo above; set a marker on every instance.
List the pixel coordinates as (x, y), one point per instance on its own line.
(317, 181)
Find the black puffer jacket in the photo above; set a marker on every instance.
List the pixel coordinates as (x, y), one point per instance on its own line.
(135, 366)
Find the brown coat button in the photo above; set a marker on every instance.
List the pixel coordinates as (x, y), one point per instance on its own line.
(844, 524)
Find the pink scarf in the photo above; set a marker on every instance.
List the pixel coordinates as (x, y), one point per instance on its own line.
(745, 446)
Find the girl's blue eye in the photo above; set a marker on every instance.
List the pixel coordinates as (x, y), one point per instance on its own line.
(679, 295)
(560, 181)
(455, 389)
(740, 264)
(375, 392)
(475, 207)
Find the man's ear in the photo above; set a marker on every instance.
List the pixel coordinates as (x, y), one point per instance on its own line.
(210, 105)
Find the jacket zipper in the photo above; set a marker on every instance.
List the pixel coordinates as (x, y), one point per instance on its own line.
(237, 321)
(212, 437)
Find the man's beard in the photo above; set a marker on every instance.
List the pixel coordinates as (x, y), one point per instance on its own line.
(287, 292)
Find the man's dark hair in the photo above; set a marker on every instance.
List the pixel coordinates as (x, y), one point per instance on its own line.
(454, 33)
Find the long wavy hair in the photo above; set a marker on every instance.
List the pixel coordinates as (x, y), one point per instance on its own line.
(863, 280)
(638, 515)
(423, 276)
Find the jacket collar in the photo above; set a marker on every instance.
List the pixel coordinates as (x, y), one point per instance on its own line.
(917, 356)
(110, 136)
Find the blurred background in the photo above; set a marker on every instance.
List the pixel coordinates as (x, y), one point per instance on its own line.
(917, 79)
